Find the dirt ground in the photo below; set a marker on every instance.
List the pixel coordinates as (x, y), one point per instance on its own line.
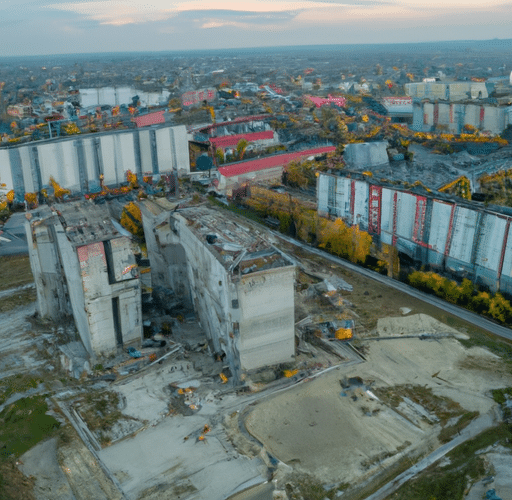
(337, 433)
(342, 435)
(41, 463)
(500, 460)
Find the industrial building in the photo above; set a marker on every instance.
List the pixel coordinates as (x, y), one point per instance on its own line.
(451, 235)
(256, 140)
(363, 155)
(399, 109)
(269, 169)
(449, 91)
(84, 267)
(77, 162)
(452, 117)
(240, 286)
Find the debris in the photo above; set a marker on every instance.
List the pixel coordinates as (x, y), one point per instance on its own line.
(134, 353)
(405, 310)
(290, 373)
(491, 495)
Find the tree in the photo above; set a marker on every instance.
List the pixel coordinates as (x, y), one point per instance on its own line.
(241, 147)
(219, 156)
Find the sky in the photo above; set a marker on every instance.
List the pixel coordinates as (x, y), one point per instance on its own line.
(41, 27)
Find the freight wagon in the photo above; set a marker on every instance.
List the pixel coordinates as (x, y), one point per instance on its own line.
(447, 234)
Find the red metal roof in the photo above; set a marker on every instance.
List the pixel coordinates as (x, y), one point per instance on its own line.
(245, 167)
(320, 101)
(150, 119)
(232, 140)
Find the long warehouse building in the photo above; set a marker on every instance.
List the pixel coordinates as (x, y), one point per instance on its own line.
(451, 235)
(77, 162)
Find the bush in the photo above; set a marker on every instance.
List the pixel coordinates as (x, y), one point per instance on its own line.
(465, 295)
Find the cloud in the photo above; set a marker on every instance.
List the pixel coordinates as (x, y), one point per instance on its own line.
(217, 13)
(117, 12)
(120, 12)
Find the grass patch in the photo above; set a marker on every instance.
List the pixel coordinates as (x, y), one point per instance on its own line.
(15, 271)
(17, 383)
(500, 395)
(450, 481)
(18, 299)
(23, 424)
(443, 407)
(449, 431)
(244, 212)
(500, 347)
(305, 486)
(13, 484)
(100, 411)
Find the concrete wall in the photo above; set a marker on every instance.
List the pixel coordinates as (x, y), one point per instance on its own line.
(76, 162)
(366, 154)
(461, 238)
(227, 184)
(73, 276)
(456, 91)
(250, 318)
(267, 335)
(492, 119)
(51, 287)
(101, 288)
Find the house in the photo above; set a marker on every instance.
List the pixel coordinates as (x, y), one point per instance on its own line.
(84, 267)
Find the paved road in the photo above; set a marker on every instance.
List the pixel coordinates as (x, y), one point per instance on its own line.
(461, 313)
(14, 230)
(474, 428)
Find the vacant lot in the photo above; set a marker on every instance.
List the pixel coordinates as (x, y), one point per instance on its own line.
(15, 271)
(341, 434)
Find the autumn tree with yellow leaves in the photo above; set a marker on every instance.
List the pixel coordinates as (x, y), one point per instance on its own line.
(301, 220)
(464, 294)
(131, 220)
(345, 241)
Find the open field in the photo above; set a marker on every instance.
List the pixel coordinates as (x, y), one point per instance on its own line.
(15, 271)
(344, 435)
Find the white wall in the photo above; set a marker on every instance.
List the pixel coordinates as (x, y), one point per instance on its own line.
(267, 332)
(59, 158)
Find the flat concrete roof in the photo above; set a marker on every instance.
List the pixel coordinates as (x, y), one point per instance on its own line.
(233, 244)
(83, 221)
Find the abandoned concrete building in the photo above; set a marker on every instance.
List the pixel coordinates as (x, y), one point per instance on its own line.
(84, 267)
(240, 286)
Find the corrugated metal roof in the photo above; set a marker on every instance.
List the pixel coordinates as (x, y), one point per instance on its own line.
(150, 119)
(270, 161)
(233, 140)
(320, 101)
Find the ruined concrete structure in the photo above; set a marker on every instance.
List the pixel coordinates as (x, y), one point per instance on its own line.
(84, 267)
(366, 154)
(241, 287)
